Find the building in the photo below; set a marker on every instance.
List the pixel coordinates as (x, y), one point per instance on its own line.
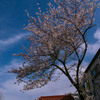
(60, 97)
(91, 80)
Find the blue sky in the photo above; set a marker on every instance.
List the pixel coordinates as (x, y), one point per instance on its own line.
(12, 20)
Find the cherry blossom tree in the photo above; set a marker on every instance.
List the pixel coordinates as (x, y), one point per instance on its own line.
(58, 41)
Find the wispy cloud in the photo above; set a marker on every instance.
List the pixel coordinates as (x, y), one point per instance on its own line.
(11, 91)
(92, 48)
(12, 64)
(12, 39)
(97, 34)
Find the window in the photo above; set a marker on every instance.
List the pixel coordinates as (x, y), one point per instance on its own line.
(95, 70)
(85, 85)
(97, 65)
(94, 92)
(99, 56)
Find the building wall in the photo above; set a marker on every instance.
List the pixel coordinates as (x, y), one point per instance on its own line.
(92, 77)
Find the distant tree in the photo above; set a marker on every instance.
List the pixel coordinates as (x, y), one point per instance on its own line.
(58, 42)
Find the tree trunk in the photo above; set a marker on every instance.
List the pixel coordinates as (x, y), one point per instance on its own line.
(81, 96)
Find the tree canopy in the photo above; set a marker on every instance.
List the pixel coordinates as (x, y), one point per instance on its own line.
(58, 37)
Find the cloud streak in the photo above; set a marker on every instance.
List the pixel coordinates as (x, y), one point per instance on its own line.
(11, 91)
(12, 39)
(92, 48)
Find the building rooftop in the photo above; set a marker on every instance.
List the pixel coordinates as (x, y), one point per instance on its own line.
(57, 97)
(93, 60)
